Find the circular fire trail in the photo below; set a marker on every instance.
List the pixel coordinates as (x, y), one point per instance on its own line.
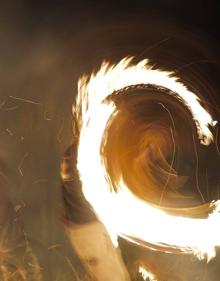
(138, 129)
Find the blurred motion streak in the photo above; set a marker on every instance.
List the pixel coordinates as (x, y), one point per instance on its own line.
(124, 209)
(146, 274)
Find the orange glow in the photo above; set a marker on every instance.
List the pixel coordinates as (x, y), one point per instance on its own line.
(122, 212)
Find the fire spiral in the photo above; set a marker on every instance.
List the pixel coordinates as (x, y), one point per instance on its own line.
(135, 140)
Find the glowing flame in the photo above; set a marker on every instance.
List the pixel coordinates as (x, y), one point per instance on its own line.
(122, 212)
(147, 275)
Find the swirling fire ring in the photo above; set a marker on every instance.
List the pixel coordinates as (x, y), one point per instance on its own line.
(126, 159)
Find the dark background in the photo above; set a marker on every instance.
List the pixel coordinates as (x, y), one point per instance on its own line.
(45, 46)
